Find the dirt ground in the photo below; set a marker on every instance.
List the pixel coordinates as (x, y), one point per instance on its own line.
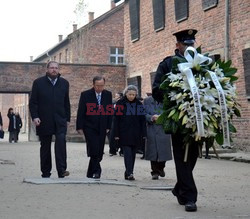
(224, 188)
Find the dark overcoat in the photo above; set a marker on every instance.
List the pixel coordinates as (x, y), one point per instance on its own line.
(1, 120)
(130, 122)
(94, 121)
(158, 146)
(12, 122)
(51, 104)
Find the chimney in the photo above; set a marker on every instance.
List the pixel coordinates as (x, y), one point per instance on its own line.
(31, 58)
(91, 16)
(60, 37)
(74, 27)
(112, 4)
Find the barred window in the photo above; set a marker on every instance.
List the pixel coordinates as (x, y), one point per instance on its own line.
(207, 4)
(134, 14)
(159, 14)
(181, 10)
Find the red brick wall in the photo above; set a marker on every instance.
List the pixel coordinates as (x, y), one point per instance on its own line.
(18, 77)
(143, 56)
(92, 45)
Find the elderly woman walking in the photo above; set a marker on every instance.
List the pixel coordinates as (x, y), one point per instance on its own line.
(158, 147)
(130, 127)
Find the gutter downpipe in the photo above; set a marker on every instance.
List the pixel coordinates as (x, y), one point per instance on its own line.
(227, 19)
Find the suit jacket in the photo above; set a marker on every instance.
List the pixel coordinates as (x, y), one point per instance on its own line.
(88, 116)
(51, 104)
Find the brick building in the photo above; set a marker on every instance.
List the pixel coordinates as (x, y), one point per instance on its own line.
(98, 42)
(223, 30)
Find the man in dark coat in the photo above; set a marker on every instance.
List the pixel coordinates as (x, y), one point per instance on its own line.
(185, 189)
(50, 111)
(94, 121)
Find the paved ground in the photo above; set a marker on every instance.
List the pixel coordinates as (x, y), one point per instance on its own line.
(224, 188)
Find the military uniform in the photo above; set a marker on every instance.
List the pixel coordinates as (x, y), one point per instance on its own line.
(185, 189)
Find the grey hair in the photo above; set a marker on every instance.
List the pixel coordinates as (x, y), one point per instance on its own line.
(130, 87)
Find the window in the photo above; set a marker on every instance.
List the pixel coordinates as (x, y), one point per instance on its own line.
(181, 10)
(246, 64)
(60, 57)
(136, 81)
(134, 14)
(66, 55)
(159, 14)
(116, 56)
(207, 4)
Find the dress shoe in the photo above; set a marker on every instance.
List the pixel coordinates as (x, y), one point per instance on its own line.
(161, 173)
(179, 199)
(96, 176)
(131, 177)
(207, 157)
(155, 177)
(190, 206)
(65, 173)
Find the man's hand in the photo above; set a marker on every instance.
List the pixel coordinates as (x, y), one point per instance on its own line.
(80, 131)
(37, 121)
(154, 118)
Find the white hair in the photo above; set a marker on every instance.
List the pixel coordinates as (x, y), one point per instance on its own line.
(130, 87)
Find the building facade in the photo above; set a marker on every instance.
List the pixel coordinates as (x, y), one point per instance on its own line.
(223, 30)
(98, 42)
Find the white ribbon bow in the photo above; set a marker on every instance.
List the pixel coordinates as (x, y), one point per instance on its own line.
(185, 68)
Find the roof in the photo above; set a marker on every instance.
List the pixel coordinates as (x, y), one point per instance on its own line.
(66, 40)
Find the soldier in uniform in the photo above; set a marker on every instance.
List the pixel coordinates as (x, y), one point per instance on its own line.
(185, 189)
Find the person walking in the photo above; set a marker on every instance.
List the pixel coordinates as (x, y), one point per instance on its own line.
(12, 126)
(158, 146)
(49, 107)
(94, 117)
(130, 127)
(113, 147)
(19, 125)
(185, 189)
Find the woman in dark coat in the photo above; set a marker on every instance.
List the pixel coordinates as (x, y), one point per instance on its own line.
(12, 126)
(130, 127)
(158, 147)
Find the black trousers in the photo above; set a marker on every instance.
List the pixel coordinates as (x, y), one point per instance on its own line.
(60, 154)
(185, 187)
(157, 167)
(129, 153)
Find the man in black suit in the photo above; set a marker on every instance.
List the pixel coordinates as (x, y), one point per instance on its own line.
(50, 111)
(94, 121)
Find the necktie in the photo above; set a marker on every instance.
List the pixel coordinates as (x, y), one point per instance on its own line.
(99, 99)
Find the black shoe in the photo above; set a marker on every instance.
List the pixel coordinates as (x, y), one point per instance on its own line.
(65, 173)
(155, 177)
(46, 175)
(143, 157)
(131, 177)
(207, 157)
(190, 206)
(96, 176)
(179, 199)
(161, 173)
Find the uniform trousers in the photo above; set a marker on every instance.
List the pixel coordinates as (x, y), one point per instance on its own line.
(185, 187)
